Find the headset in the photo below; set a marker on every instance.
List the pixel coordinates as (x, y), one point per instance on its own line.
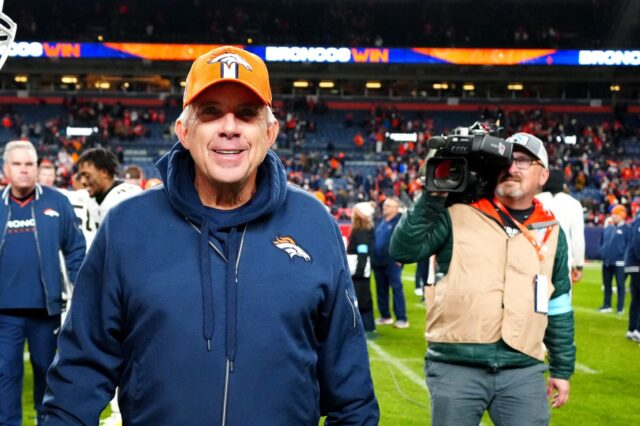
(7, 34)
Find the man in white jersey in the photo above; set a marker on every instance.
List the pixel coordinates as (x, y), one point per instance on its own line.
(98, 172)
(568, 211)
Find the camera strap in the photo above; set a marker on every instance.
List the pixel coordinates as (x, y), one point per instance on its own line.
(538, 246)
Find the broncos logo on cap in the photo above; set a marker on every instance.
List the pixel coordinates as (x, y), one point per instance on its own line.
(289, 246)
(229, 64)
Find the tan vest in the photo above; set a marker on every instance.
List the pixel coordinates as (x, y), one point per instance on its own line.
(488, 293)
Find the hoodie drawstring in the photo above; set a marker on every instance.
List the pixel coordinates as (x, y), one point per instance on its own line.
(232, 296)
(207, 284)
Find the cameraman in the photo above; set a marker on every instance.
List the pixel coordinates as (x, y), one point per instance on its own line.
(503, 299)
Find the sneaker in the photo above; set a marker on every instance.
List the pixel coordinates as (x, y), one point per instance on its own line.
(384, 321)
(621, 312)
(636, 336)
(629, 335)
(418, 292)
(401, 324)
(605, 309)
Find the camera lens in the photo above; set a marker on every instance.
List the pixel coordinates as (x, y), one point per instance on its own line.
(449, 175)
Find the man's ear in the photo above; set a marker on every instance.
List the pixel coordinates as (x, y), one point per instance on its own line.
(182, 132)
(544, 176)
(272, 133)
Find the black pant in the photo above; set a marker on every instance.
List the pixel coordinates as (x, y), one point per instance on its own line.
(634, 309)
(608, 272)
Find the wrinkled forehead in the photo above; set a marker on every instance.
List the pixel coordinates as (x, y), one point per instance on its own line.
(23, 155)
(228, 92)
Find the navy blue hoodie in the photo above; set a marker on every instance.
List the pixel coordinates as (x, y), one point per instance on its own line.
(613, 244)
(241, 318)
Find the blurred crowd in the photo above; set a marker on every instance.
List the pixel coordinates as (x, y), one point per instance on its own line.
(353, 23)
(592, 153)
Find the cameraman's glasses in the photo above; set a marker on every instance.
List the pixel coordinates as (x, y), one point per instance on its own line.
(524, 163)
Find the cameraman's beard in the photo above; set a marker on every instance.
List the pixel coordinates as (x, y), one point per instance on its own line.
(515, 193)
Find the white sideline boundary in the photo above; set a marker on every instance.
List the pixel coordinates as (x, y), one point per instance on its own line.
(583, 368)
(398, 365)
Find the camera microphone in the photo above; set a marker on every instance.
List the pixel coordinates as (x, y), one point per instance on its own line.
(436, 142)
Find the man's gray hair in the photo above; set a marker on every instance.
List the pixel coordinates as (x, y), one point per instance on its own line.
(14, 145)
(186, 116)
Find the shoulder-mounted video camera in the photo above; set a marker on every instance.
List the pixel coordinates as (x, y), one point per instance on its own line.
(467, 162)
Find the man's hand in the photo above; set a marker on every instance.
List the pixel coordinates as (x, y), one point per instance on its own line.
(576, 275)
(561, 394)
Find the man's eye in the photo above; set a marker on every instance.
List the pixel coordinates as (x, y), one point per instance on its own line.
(247, 113)
(209, 111)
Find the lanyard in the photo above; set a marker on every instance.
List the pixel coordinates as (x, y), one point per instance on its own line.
(526, 232)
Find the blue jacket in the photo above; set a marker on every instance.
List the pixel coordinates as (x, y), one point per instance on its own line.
(632, 256)
(613, 244)
(381, 240)
(56, 230)
(259, 330)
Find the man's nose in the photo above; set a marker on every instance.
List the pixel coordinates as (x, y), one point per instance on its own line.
(229, 127)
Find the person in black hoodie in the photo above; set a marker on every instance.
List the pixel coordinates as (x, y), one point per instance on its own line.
(359, 256)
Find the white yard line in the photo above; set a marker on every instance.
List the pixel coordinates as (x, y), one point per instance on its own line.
(412, 360)
(398, 365)
(585, 369)
(594, 311)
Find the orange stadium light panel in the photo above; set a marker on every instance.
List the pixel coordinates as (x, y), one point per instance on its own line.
(327, 84)
(614, 88)
(468, 87)
(301, 84)
(373, 85)
(164, 52)
(515, 86)
(21, 78)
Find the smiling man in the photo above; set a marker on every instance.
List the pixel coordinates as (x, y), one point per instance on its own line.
(239, 308)
(504, 298)
(98, 171)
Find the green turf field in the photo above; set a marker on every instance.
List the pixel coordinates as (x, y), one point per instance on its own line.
(604, 389)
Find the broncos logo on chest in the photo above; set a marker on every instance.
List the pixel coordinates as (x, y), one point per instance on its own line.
(288, 245)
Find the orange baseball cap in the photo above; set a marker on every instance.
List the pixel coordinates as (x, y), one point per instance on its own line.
(620, 210)
(227, 64)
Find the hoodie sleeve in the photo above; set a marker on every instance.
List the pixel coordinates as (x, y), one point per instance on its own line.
(86, 369)
(422, 231)
(74, 245)
(346, 388)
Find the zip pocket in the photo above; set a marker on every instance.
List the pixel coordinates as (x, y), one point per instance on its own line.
(353, 308)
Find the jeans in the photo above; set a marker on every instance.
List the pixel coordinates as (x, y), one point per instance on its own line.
(389, 275)
(461, 394)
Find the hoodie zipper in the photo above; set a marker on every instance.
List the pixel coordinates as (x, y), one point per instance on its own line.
(353, 308)
(229, 364)
(226, 393)
(42, 279)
